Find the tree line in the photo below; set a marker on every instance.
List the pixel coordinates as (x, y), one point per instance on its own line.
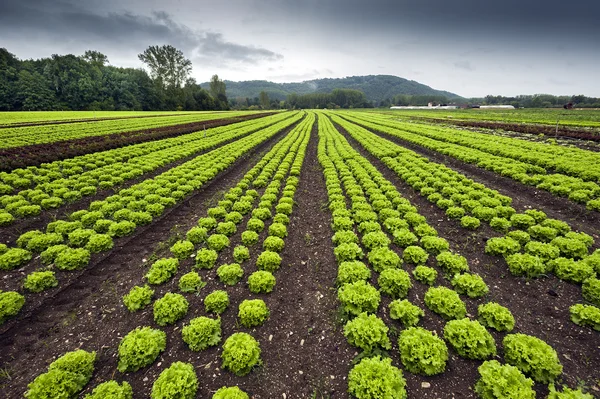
(522, 101)
(88, 82)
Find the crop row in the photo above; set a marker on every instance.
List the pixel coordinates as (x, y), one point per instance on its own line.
(549, 244)
(241, 351)
(41, 117)
(52, 185)
(68, 244)
(577, 171)
(421, 351)
(29, 135)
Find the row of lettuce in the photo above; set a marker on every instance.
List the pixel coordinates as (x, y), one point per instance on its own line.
(30, 135)
(67, 245)
(575, 172)
(29, 191)
(205, 243)
(376, 207)
(534, 245)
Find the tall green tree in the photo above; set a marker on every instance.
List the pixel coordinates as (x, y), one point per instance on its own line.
(217, 91)
(264, 100)
(167, 64)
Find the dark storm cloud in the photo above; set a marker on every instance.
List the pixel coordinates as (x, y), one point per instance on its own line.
(64, 22)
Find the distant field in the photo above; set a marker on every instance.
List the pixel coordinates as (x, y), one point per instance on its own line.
(577, 117)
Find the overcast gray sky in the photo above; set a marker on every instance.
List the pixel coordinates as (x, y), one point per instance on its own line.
(469, 47)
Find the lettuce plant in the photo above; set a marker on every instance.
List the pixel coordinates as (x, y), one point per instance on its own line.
(522, 221)
(140, 348)
(383, 258)
(421, 352)
(269, 261)
(177, 381)
(191, 282)
(261, 281)
(415, 255)
(162, 270)
(13, 258)
(359, 297)
(138, 297)
(274, 244)
(502, 246)
(591, 290)
(434, 245)
(216, 302)
(197, 235)
(375, 377)
(182, 249)
(394, 282)
(407, 313)
(470, 222)
(349, 272)
(11, 303)
(241, 353)
(445, 302)
(542, 250)
(249, 238)
(585, 315)
(344, 236)
(206, 258)
(202, 333)
(253, 312)
(470, 339)
(170, 308)
(471, 285)
(567, 393)
(571, 247)
(41, 242)
(217, 242)
(452, 263)
(532, 356)
(241, 254)
(367, 332)
(522, 237)
(503, 381)
(376, 239)
(40, 281)
(426, 275)
(230, 393)
(111, 389)
(72, 259)
(571, 270)
(226, 228)
(496, 316)
(541, 233)
(499, 224)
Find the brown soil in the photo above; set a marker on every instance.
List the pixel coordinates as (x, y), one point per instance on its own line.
(35, 155)
(540, 306)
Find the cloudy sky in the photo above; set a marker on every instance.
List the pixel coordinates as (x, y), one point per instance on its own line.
(470, 47)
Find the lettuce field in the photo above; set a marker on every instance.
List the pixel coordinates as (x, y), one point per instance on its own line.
(299, 254)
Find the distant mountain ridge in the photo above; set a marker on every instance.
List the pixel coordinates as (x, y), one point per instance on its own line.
(376, 87)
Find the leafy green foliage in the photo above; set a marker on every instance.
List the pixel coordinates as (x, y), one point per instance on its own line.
(140, 348)
(241, 352)
(111, 390)
(348, 252)
(197, 235)
(470, 339)
(269, 261)
(585, 315)
(121, 229)
(407, 313)
(383, 258)
(253, 312)
(177, 381)
(571, 270)
(520, 236)
(525, 265)
(65, 378)
(359, 297)
(404, 237)
(11, 303)
(230, 393)
(522, 221)
(99, 243)
(72, 259)
(206, 258)
(422, 352)
(201, 333)
(216, 302)
(274, 244)
(241, 254)
(170, 308)
(349, 272)
(471, 285)
(375, 239)
(502, 246)
(500, 224)
(217, 242)
(496, 316)
(503, 382)
(434, 245)
(591, 290)
(367, 332)
(415, 255)
(41, 242)
(426, 275)
(191, 282)
(394, 283)
(532, 356)
(470, 222)
(138, 297)
(182, 249)
(571, 247)
(14, 258)
(445, 302)
(80, 237)
(375, 377)
(568, 393)
(249, 238)
(452, 263)
(162, 270)
(230, 274)
(40, 281)
(261, 281)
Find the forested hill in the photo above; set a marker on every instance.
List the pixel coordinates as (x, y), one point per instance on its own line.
(376, 87)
